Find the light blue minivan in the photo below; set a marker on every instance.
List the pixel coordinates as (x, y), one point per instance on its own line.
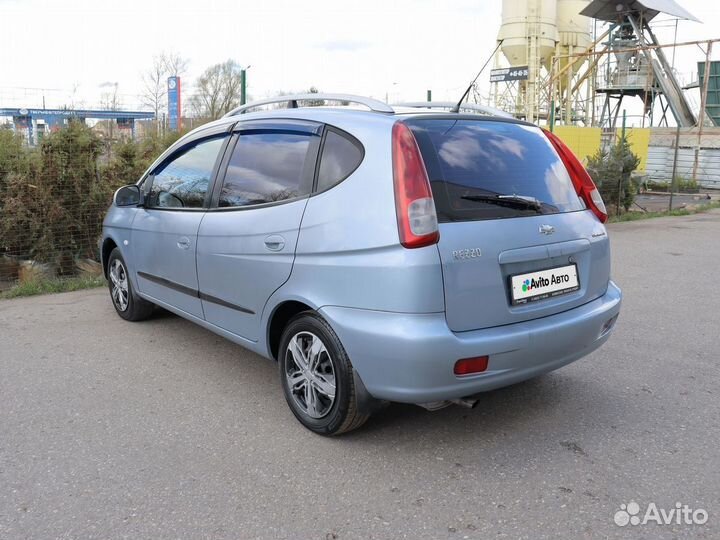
(377, 253)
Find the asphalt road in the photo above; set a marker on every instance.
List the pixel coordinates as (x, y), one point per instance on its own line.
(160, 429)
(659, 202)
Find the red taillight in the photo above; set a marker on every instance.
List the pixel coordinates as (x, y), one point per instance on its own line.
(468, 366)
(416, 218)
(584, 185)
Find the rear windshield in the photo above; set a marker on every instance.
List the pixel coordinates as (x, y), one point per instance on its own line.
(484, 169)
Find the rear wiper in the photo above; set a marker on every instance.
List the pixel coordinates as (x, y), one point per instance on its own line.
(511, 201)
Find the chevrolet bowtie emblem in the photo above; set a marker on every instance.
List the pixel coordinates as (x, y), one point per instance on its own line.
(547, 229)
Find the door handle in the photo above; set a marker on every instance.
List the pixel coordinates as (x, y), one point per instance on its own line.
(275, 242)
(183, 242)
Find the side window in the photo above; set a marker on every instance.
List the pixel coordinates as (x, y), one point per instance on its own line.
(183, 182)
(267, 167)
(341, 155)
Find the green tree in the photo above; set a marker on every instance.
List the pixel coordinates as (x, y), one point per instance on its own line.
(18, 165)
(14, 159)
(53, 213)
(53, 199)
(130, 159)
(611, 171)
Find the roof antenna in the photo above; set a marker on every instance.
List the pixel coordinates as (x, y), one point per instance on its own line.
(456, 108)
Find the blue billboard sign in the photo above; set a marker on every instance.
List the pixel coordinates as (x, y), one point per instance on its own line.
(174, 104)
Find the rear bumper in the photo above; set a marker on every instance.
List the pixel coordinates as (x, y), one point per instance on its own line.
(410, 357)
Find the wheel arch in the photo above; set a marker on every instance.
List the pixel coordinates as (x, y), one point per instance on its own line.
(107, 246)
(278, 319)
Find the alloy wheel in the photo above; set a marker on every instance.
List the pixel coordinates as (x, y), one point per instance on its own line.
(310, 374)
(119, 285)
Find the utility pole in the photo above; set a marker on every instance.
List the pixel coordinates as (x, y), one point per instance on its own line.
(674, 166)
(620, 180)
(243, 86)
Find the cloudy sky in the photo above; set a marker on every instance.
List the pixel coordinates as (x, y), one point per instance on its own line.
(67, 49)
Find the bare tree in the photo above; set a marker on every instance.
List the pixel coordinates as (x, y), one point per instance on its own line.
(175, 65)
(74, 103)
(154, 94)
(307, 102)
(155, 87)
(314, 102)
(110, 101)
(217, 90)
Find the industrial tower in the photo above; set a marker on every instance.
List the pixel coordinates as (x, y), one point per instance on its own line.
(560, 72)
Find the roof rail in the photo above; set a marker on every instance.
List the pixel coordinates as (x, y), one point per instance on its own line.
(474, 107)
(292, 102)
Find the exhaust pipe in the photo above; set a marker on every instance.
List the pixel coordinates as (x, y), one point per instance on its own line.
(465, 402)
(437, 405)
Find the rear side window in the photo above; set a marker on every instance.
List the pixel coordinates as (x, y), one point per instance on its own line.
(482, 169)
(267, 167)
(183, 181)
(341, 155)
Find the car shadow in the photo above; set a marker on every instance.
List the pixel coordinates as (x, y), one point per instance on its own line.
(555, 408)
(550, 413)
(495, 411)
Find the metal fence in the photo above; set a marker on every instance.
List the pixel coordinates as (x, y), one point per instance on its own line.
(52, 201)
(51, 242)
(697, 157)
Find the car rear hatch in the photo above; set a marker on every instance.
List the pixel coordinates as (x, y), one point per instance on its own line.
(516, 240)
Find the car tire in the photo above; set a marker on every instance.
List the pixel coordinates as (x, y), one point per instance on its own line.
(126, 303)
(312, 363)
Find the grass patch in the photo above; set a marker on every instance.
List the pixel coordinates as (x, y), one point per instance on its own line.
(55, 285)
(635, 216)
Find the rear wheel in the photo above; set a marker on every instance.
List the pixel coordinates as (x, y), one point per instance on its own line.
(129, 306)
(317, 376)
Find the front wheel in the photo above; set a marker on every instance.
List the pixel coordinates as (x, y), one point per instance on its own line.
(317, 376)
(129, 306)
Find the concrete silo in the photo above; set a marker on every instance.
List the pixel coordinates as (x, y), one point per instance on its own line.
(533, 33)
(574, 30)
(574, 36)
(528, 29)
(529, 34)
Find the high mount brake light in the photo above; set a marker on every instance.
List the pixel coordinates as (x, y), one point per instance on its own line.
(416, 217)
(584, 185)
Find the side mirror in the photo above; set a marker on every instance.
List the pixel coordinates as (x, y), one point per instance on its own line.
(128, 196)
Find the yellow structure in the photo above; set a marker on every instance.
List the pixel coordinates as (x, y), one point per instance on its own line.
(639, 139)
(585, 141)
